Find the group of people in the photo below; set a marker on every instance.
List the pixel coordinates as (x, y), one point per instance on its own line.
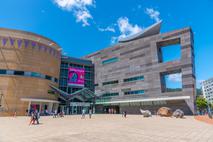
(56, 114)
(112, 111)
(34, 117)
(84, 113)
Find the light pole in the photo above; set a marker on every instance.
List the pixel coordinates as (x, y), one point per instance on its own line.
(209, 110)
(1, 95)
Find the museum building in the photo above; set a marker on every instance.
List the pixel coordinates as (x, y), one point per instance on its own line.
(128, 76)
(28, 64)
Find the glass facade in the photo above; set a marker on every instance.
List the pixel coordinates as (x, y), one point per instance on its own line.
(66, 63)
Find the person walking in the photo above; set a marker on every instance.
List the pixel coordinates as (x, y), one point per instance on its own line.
(83, 113)
(32, 118)
(55, 114)
(90, 113)
(125, 113)
(37, 116)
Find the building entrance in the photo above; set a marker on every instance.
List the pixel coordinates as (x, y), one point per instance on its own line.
(77, 107)
(112, 109)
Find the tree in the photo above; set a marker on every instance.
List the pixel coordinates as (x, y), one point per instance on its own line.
(201, 103)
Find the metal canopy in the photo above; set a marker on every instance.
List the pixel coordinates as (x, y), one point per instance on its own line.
(84, 94)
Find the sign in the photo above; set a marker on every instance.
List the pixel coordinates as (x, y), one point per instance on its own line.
(80, 104)
(76, 77)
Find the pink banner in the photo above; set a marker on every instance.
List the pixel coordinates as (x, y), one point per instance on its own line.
(76, 77)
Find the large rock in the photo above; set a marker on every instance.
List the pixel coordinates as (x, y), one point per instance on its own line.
(178, 113)
(164, 111)
(146, 113)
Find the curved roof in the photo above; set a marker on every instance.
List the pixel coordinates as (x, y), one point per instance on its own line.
(151, 30)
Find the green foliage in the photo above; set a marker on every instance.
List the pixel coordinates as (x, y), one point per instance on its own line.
(51, 92)
(201, 103)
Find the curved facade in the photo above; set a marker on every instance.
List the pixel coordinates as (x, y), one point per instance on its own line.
(28, 64)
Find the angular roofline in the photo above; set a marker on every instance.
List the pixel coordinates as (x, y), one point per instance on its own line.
(123, 43)
(151, 30)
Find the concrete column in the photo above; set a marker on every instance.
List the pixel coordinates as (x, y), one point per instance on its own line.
(40, 107)
(29, 107)
(50, 107)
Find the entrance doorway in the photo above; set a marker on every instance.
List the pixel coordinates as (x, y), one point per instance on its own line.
(77, 107)
(111, 109)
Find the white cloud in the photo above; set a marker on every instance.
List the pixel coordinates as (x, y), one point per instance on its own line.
(127, 29)
(83, 16)
(107, 29)
(114, 40)
(177, 77)
(153, 14)
(79, 9)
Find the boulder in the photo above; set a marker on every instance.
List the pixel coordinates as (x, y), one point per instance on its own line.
(164, 111)
(178, 113)
(146, 113)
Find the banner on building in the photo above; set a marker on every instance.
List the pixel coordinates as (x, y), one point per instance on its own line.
(76, 77)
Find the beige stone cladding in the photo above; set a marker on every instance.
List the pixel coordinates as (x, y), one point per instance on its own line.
(36, 60)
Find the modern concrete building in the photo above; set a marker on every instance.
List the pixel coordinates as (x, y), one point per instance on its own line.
(28, 64)
(131, 74)
(207, 89)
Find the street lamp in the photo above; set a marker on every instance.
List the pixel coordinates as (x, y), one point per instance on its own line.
(209, 110)
(1, 95)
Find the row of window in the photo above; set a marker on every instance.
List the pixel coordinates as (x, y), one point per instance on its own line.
(136, 78)
(111, 60)
(134, 92)
(28, 74)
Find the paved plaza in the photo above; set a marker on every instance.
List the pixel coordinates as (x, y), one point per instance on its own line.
(105, 128)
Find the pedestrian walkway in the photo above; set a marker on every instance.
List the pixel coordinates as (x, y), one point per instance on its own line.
(105, 128)
(204, 118)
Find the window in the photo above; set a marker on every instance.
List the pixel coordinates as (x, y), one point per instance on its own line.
(110, 82)
(10, 72)
(18, 72)
(110, 94)
(111, 60)
(47, 77)
(136, 78)
(2, 71)
(56, 80)
(135, 92)
(171, 81)
(169, 50)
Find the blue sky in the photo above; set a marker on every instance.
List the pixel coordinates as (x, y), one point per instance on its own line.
(81, 27)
